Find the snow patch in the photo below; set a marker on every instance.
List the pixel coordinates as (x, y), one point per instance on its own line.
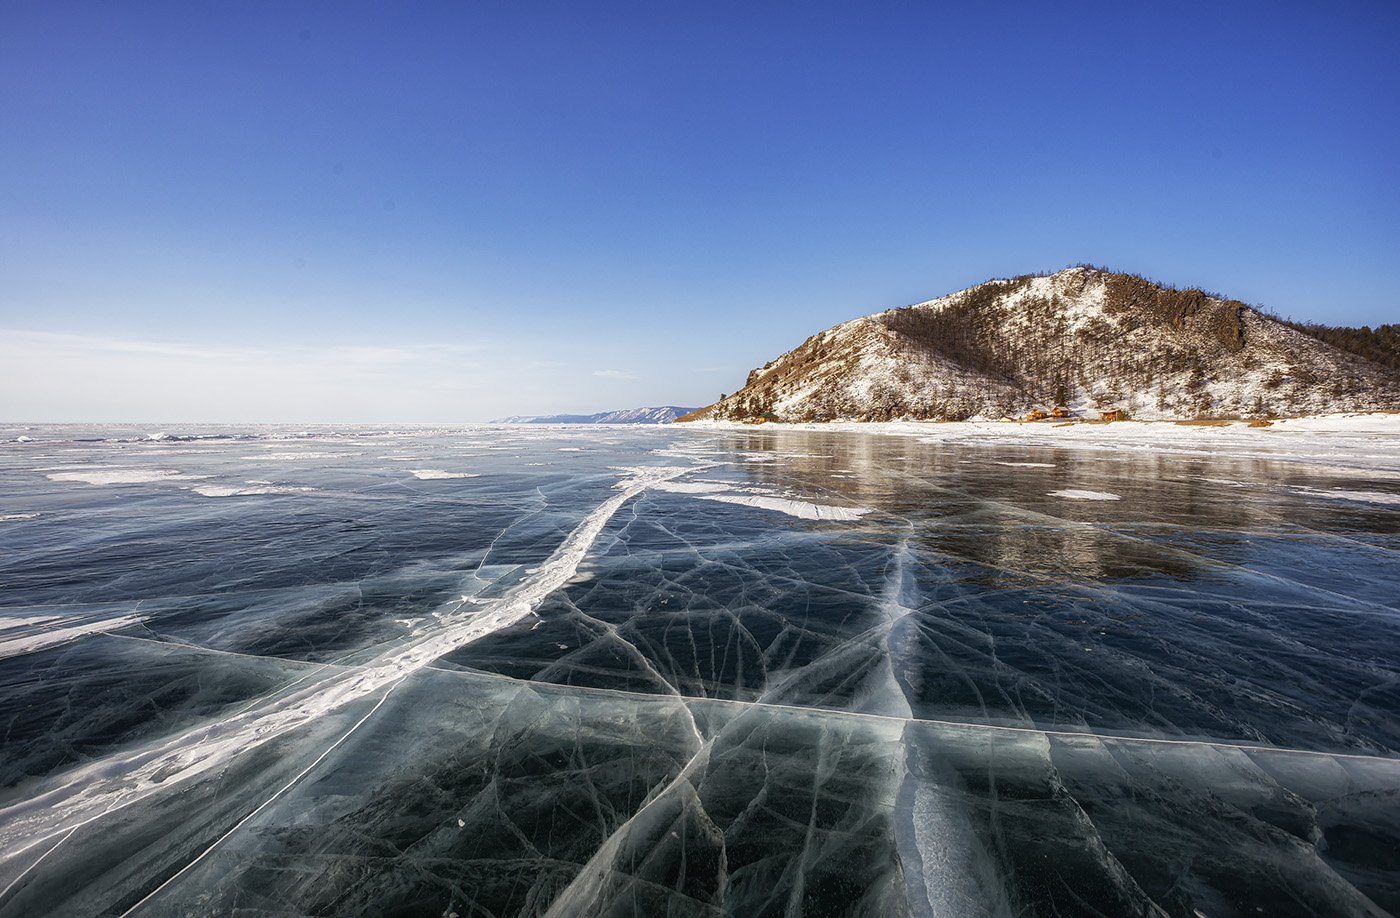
(695, 487)
(258, 487)
(799, 508)
(117, 476)
(48, 637)
(439, 474)
(1077, 494)
(753, 497)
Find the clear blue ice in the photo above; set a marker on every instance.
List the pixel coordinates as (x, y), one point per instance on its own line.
(508, 672)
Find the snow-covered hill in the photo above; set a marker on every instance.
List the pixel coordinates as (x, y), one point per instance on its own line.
(1085, 340)
(662, 415)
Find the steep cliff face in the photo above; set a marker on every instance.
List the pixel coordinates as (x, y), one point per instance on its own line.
(1084, 339)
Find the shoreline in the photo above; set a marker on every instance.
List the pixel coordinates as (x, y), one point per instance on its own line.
(1360, 441)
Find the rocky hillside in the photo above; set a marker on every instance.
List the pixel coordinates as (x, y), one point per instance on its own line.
(1085, 340)
(662, 415)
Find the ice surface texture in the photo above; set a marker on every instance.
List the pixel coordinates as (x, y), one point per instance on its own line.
(292, 675)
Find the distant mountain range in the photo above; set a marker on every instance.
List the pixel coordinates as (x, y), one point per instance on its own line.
(1086, 341)
(663, 415)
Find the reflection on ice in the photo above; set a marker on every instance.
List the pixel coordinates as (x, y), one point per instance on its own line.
(693, 673)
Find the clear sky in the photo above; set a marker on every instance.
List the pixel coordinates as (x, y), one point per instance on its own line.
(450, 212)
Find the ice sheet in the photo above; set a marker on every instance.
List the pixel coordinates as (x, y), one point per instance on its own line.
(701, 671)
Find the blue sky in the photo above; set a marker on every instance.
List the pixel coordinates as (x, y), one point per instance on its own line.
(451, 212)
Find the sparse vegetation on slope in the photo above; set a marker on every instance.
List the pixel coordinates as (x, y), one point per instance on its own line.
(1085, 338)
(1380, 345)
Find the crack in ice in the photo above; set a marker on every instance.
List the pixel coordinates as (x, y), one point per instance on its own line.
(173, 760)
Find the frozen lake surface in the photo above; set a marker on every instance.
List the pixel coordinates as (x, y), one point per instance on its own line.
(678, 671)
